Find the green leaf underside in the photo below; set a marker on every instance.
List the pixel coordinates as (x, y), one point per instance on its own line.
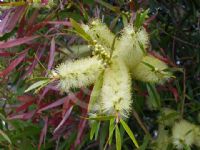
(38, 84)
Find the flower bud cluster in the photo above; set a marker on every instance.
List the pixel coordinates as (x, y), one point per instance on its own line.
(127, 13)
(101, 53)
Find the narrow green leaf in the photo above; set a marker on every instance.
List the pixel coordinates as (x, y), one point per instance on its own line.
(37, 85)
(143, 16)
(5, 136)
(154, 96)
(118, 138)
(93, 129)
(80, 30)
(103, 135)
(129, 132)
(146, 140)
(124, 20)
(137, 20)
(111, 129)
(140, 18)
(97, 130)
(109, 6)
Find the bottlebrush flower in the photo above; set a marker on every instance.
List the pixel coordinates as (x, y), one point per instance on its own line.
(151, 69)
(164, 118)
(163, 139)
(116, 90)
(183, 133)
(128, 48)
(197, 136)
(79, 73)
(99, 32)
(142, 37)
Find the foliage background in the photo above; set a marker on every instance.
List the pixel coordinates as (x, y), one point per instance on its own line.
(35, 35)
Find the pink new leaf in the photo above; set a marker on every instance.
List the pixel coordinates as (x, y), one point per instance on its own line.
(13, 64)
(43, 133)
(66, 116)
(17, 42)
(51, 54)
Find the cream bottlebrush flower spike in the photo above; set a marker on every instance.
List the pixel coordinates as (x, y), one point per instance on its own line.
(127, 56)
(128, 47)
(116, 89)
(186, 133)
(79, 73)
(151, 69)
(183, 133)
(100, 33)
(197, 136)
(143, 38)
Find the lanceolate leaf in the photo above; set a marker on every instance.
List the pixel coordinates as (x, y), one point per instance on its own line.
(15, 17)
(3, 23)
(23, 116)
(4, 135)
(13, 65)
(129, 132)
(37, 85)
(51, 53)
(66, 116)
(17, 42)
(80, 31)
(146, 141)
(24, 106)
(93, 129)
(10, 20)
(26, 98)
(43, 133)
(5, 54)
(109, 6)
(118, 138)
(111, 129)
(97, 130)
(154, 95)
(54, 104)
(81, 127)
(140, 18)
